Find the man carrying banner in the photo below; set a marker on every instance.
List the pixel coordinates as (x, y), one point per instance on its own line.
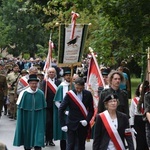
(50, 87)
(112, 127)
(80, 104)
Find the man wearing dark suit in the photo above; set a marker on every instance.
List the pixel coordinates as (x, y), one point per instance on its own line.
(80, 104)
(49, 86)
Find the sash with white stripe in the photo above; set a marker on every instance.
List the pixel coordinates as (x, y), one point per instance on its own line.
(112, 131)
(52, 86)
(136, 103)
(23, 80)
(78, 102)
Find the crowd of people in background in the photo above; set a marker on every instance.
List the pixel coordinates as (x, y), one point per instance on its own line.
(66, 107)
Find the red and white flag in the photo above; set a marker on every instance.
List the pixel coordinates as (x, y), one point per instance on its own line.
(73, 23)
(94, 80)
(48, 62)
(49, 57)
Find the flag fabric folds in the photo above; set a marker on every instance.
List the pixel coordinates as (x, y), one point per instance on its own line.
(49, 57)
(48, 63)
(94, 80)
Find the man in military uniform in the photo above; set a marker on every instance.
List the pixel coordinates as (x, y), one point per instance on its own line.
(12, 78)
(115, 78)
(3, 90)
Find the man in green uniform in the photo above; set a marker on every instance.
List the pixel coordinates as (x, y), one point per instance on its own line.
(3, 90)
(31, 116)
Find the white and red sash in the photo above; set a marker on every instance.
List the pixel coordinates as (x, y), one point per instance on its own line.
(52, 86)
(78, 102)
(136, 103)
(112, 131)
(23, 80)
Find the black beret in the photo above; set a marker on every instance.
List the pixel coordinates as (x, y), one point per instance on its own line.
(105, 71)
(109, 97)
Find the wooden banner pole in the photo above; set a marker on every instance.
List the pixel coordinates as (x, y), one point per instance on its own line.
(148, 64)
(71, 76)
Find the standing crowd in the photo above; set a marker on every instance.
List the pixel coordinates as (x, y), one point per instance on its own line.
(56, 106)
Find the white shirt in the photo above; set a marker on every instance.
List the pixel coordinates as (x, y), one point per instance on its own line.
(111, 145)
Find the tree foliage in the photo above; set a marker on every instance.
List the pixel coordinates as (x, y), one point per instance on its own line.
(119, 28)
(26, 28)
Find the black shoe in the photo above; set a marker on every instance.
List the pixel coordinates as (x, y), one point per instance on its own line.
(11, 117)
(46, 143)
(5, 112)
(51, 143)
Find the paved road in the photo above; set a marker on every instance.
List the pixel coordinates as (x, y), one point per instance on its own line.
(7, 129)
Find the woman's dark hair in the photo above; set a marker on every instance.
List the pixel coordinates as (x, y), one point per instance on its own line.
(145, 88)
(137, 91)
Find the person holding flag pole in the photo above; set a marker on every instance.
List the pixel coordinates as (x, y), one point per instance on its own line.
(49, 87)
(50, 84)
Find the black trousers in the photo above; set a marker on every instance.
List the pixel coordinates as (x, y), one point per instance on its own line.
(76, 139)
(139, 126)
(49, 124)
(63, 144)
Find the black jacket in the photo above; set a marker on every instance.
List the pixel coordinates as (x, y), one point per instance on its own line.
(50, 94)
(123, 100)
(75, 114)
(101, 137)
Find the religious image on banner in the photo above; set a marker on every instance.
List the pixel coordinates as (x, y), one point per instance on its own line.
(71, 49)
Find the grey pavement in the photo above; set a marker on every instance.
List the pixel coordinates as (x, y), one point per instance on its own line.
(7, 129)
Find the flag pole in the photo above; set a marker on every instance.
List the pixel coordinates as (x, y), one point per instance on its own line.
(148, 64)
(71, 76)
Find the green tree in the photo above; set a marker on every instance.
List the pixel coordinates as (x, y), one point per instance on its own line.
(26, 28)
(4, 36)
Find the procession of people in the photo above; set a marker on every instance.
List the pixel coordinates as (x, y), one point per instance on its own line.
(55, 105)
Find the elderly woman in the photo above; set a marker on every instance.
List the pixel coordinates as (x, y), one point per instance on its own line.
(112, 127)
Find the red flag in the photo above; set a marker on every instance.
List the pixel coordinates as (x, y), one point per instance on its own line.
(94, 80)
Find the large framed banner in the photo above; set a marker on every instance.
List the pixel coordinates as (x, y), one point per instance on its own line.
(71, 50)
